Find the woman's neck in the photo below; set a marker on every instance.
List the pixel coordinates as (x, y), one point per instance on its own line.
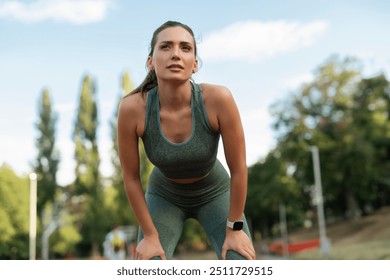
(174, 96)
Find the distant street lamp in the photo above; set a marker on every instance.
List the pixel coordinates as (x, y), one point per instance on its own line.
(283, 229)
(33, 215)
(325, 246)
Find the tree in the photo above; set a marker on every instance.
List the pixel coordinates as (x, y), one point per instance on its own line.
(46, 164)
(14, 217)
(371, 111)
(88, 180)
(270, 183)
(333, 112)
(320, 115)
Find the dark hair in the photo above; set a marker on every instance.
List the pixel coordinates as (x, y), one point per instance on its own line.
(150, 80)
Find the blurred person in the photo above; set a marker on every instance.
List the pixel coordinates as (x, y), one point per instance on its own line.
(180, 123)
(115, 244)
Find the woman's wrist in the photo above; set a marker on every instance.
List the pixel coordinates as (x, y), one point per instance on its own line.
(151, 234)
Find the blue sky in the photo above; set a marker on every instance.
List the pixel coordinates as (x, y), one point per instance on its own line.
(261, 50)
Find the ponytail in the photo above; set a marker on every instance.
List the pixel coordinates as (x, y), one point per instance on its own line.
(148, 83)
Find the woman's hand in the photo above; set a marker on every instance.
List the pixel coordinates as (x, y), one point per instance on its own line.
(148, 248)
(238, 241)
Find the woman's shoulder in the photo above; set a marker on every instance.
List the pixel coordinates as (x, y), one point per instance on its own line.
(132, 107)
(133, 102)
(215, 93)
(132, 112)
(214, 89)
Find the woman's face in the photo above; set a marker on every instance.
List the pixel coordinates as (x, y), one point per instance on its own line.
(173, 56)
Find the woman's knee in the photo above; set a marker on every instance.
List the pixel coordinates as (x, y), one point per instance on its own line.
(233, 255)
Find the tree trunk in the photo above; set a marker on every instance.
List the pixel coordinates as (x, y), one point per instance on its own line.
(353, 209)
(95, 250)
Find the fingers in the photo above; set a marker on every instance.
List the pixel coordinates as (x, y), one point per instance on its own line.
(247, 251)
(250, 257)
(247, 254)
(243, 246)
(139, 256)
(250, 253)
(149, 249)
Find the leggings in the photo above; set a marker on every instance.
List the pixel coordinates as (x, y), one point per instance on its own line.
(207, 201)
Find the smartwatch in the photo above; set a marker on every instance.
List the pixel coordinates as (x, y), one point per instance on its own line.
(235, 225)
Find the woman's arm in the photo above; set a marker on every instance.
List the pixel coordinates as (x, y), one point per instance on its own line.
(232, 133)
(230, 126)
(129, 115)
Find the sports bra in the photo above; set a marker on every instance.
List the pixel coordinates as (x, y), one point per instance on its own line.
(193, 158)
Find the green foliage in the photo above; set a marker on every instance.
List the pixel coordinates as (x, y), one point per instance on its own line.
(85, 137)
(269, 185)
(88, 181)
(193, 236)
(7, 231)
(127, 83)
(47, 160)
(14, 214)
(347, 117)
(65, 239)
(111, 206)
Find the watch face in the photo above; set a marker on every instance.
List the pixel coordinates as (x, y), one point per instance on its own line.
(238, 225)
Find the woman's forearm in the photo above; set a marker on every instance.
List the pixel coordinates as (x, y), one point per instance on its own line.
(136, 197)
(238, 191)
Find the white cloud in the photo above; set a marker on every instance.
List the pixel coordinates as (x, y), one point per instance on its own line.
(73, 11)
(254, 40)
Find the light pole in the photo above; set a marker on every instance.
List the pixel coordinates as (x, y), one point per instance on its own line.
(324, 242)
(283, 229)
(33, 215)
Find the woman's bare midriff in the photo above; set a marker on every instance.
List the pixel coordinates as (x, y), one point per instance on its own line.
(188, 180)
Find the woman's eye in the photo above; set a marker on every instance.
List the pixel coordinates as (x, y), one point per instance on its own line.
(163, 47)
(187, 48)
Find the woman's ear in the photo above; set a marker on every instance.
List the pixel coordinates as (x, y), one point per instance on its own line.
(196, 66)
(149, 63)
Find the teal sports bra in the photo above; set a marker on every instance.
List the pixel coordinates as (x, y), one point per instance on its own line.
(193, 158)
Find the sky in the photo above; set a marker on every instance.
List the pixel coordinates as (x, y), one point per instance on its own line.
(263, 51)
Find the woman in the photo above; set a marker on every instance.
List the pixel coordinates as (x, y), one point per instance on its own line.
(180, 124)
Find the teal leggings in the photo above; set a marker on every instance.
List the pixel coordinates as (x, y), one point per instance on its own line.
(207, 201)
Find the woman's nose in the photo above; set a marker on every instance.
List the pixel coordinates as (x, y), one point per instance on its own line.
(175, 53)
